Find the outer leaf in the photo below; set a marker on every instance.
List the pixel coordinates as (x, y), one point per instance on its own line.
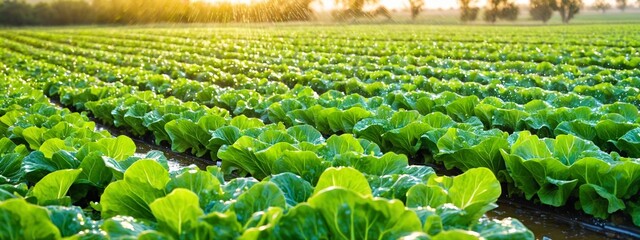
(186, 134)
(216, 226)
(630, 143)
(143, 183)
(341, 144)
(306, 133)
(122, 227)
(389, 163)
(463, 150)
(568, 149)
(462, 109)
(95, 171)
(301, 222)
(344, 177)
(54, 186)
(507, 228)
(258, 198)
(475, 191)
(10, 168)
(242, 155)
(296, 190)
(69, 220)
(352, 216)
(579, 128)
(305, 164)
(202, 183)
(609, 130)
(53, 145)
(20, 220)
(598, 202)
(422, 195)
(177, 212)
(457, 234)
(118, 148)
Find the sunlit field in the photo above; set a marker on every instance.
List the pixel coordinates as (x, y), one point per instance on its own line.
(356, 123)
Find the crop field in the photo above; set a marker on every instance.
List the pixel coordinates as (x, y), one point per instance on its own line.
(324, 132)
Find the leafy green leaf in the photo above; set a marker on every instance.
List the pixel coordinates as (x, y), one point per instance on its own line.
(305, 164)
(630, 143)
(598, 202)
(301, 222)
(124, 227)
(243, 155)
(507, 228)
(389, 163)
(580, 128)
(465, 150)
(69, 220)
(344, 177)
(53, 145)
(95, 171)
(422, 195)
(186, 134)
(351, 215)
(54, 186)
(216, 225)
(177, 212)
(258, 198)
(118, 148)
(306, 133)
(143, 183)
(202, 183)
(11, 168)
(337, 145)
(457, 234)
(296, 190)
(21, 220)
(462, 108)
(475, 191)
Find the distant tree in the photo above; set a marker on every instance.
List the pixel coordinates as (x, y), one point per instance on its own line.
(492, 9)
(353, 9)
(500, 9)
(509, 12)
(44, 13)
(355, 4)
(16, 13)
(298, 10)
(567, 8)
(602, 5)
(416, 7)
(67, 12)
(541, 10)
(468, 13)
(622, 4)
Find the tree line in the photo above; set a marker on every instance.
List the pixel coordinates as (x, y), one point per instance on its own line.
(67, 12)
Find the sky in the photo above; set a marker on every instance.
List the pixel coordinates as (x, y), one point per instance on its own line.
(402, 4)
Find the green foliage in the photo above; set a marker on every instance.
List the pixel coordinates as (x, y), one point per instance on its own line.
(53, 187)
(143, 183)
(25, 221)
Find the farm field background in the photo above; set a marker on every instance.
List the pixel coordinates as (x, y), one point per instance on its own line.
(329, 132)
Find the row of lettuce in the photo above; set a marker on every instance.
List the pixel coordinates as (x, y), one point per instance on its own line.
(59, 177)
(482, 48)
(387, 74)
(448, 126)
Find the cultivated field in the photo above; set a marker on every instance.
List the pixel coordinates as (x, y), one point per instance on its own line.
(316, 132)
